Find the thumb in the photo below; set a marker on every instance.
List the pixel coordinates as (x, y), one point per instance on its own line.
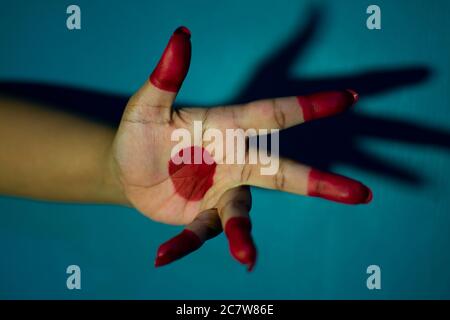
(174, 63)
(165, 81)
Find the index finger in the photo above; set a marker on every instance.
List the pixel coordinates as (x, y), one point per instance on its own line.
(282, 113)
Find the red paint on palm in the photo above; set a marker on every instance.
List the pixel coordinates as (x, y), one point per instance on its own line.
(241, 244)
(177, 247)
(324, 104)
(193, 177)
(337, 188)
(174, 63)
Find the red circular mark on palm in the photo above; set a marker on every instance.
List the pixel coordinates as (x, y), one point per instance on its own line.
(192, 179)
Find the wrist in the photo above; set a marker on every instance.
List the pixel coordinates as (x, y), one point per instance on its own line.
(111, 182)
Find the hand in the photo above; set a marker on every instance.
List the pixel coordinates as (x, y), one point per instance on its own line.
(210, 197)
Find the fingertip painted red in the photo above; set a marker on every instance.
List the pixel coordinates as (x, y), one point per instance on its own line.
(337, 188)
(242, 247)
(369, 197)
(355, 95)
(324, 104)
(174, 64)
(183, 30)
(177, 247)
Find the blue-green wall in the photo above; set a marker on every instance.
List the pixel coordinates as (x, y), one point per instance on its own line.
(326, 247)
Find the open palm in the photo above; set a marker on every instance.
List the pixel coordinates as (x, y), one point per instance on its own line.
(212, 195)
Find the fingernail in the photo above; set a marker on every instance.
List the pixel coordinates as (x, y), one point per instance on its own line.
(369, 196)
(337, 188)
(177, 247)
(325, 104)
(355, 96)
(240, 241)
(183, 30)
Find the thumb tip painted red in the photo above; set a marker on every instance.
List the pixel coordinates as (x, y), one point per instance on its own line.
(174, 64)
(184, 31)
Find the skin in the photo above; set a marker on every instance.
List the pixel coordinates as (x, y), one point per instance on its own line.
(71, 159)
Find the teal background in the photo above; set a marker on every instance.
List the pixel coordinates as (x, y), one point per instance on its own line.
(308, 248)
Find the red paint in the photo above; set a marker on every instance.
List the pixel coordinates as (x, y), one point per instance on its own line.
(324, 104)
(191, 180)
(337, 188)
(174, 63)
(241, 244)
(177, 247)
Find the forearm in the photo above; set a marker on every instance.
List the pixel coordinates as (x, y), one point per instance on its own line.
(52, 155)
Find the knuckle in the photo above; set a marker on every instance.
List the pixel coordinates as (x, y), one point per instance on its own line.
(246, 173)
(279, 178)
(278, 114)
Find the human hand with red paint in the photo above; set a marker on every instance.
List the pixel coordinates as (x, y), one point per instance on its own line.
(210, 197)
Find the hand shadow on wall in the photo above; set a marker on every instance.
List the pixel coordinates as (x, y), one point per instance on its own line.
(321, 144)
(337, 140)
